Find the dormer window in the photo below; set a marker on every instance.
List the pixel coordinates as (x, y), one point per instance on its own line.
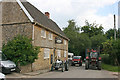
(43, 33)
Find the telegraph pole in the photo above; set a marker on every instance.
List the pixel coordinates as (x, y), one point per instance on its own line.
(114, 27)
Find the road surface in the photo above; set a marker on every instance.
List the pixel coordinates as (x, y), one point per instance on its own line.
(74, 72)
(77, 72)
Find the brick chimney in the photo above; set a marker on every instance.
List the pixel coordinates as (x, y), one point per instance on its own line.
(47, 14)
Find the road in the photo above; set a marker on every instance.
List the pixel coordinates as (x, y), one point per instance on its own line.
(74, 72)
(78, 72)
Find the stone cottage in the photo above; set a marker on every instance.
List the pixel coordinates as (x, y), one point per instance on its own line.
(21, 17)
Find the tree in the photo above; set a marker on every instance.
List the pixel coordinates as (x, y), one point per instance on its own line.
(78, 42)
(20, 50)
(97, 40)
(110, 33)
(112, 47)
(72, 32)
(92, 29)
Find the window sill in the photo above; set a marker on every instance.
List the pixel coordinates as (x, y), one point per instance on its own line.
(50, 39)
(43, 37)
(46, 58)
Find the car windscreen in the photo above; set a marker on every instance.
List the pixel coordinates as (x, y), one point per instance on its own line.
(76, 57)
(93, 54)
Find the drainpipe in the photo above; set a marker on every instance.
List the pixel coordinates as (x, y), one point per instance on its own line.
(33, 38)
(33, 34)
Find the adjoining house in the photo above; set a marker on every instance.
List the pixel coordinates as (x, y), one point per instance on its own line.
(21, 17)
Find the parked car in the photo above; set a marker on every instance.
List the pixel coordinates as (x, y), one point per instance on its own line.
(77, 60)
(60, 65)
(2, 76)
(6, 65)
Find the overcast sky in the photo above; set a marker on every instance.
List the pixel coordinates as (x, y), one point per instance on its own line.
(99, 11)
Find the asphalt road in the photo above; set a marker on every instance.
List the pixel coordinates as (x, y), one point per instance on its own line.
(77, 72)
(74, 72)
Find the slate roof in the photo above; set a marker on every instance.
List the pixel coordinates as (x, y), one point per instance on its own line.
(39, 17)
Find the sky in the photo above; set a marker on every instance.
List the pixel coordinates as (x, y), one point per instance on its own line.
(99, 11)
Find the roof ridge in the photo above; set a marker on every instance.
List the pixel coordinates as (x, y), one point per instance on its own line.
(25, 10)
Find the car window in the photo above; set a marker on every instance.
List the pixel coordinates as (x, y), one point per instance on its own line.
(93, 54)
(76, 57)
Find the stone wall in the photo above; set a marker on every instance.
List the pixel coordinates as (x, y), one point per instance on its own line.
(12, 13)
(10, 31)
(41, 63)
(40, 41)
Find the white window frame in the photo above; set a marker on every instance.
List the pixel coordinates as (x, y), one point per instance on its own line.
(65, 42)
(46, 53)
(59, 53)
(65, 53)
(43, 33)
(50, 36)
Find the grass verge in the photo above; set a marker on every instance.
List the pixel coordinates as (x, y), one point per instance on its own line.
(110, 67)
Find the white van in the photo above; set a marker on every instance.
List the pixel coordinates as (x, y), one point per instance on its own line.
(70, 56)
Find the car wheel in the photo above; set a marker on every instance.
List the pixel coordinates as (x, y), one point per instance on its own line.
(63, 69)
(86, 65)
(66, 67)
(99, 65)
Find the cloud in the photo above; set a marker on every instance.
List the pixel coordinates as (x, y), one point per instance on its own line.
(80, 10)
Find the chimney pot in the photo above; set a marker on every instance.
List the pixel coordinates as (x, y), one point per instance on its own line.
(47, 14)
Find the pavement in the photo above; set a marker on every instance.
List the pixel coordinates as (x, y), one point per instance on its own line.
(26, 75)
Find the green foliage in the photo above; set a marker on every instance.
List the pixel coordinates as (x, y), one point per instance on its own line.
(110, 67)
(112, 47)
(105, 58)
(97, 40)
(78, 42)
(92, 29)
(110, 33)
(20, 50)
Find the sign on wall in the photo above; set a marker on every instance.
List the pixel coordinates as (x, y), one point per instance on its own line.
(58, 40)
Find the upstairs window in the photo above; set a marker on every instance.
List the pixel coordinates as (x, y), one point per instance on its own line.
(65, 42)
(43, 33)
(50, 36)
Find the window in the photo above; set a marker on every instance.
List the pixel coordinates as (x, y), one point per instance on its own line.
(65, 42)
(43, 33)
(65, 53)
(50, 36)
(46, 53)
(59, 53)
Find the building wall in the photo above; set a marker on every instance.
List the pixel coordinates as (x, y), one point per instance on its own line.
(14, 21)
(17, 23)
(41, 62)
(10, 31)
(12, 13)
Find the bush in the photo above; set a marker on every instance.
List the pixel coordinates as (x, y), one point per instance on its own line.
(20, 50)
(105, 58)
